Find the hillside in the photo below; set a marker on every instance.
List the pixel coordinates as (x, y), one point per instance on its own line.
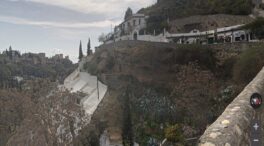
(183, 15)
(182, 8)
(28, 66)
(162, 85)
(154, 91)
(28, 95)
(206, 22)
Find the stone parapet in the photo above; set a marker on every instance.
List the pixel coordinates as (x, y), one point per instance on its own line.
(232, 128)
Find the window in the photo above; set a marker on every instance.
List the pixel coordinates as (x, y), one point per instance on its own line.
(139, 21)
(134, 22)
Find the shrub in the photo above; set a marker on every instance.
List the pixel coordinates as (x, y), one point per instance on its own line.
(174, 133)
(256, 27)
(91, 68)
(157, 23)
(182, 8)
(226, 69)
(204, 56)
(248, 65)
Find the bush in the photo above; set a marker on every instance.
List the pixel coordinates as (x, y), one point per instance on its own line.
(248, 65)
(204, 56)
(91, 68)
(226, 69)
(174, 133)
(181, 8)
(157, 23)
(256, 27)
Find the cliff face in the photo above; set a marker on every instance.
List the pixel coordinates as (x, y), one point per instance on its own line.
(154, 91)
(159, 85)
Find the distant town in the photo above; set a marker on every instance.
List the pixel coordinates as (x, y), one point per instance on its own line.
(15, 56)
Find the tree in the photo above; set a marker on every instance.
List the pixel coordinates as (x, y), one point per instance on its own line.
(89, 47)
(80, 51)
(256, 27)
(127, 134)
(129, 13)
(10, 52)
(101, 38)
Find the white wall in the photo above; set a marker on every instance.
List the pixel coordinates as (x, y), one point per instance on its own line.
(151, 38)
(137, 26)
(86, 83)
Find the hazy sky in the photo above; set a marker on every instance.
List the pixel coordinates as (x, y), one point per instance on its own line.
(57, 26)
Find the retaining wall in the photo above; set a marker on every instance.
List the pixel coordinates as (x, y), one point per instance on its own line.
(232, 128)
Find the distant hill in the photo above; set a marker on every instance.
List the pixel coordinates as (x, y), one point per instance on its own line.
(182, 8)
(16, 66)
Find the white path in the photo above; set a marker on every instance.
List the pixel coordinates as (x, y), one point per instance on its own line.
(86, 83)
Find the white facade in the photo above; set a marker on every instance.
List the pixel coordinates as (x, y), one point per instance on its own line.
(134, 24)
(220, 35)
(151, 38)
(128, 30)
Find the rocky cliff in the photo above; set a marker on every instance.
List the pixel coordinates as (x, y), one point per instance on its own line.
(159, 85)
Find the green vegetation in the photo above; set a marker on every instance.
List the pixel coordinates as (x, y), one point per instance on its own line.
(101, 65)
(89, 47)
(225, 71)
(171, 9)
(91, 68)
(80, 51)
(249, 64)
(182, 8)
(174, 133)
(128, 14)
(127, 133)
(10, 68)
(157, 23)
(202, 55)
(256, 27)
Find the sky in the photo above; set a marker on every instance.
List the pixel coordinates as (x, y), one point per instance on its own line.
(57, 26)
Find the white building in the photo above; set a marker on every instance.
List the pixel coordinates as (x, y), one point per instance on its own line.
(219, 35)
(132, 26)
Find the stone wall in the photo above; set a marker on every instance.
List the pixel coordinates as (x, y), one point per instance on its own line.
(148, 38)
(151, 38)
(237, 46)
(232, 128)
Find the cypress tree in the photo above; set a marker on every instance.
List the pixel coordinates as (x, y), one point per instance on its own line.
(128, 14)
(89, 47)
(80, 51)
(10, 52)
(127, 132)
